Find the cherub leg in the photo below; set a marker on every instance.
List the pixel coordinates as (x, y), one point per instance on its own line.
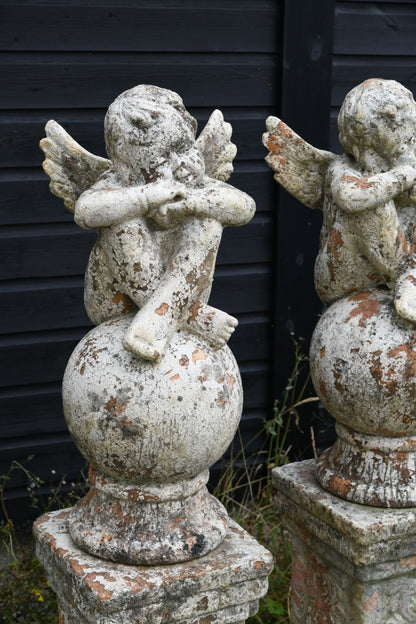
(123, 271)
(187, 277)
(405, 282)
(103, 297)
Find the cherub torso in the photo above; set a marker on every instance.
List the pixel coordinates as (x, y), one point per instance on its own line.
(357, 250)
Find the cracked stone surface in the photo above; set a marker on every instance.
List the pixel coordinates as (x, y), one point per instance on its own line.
(152, 431)
(351, 563)
(152, 396)
(221, 588)
(363, 349)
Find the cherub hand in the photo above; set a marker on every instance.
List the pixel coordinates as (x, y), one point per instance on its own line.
(171, 213)
(158, 193)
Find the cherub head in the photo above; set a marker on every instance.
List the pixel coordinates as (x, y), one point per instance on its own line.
(377, 122)
(150, 135)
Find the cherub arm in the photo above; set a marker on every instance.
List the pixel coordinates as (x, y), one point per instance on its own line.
(105, 204)
(355, 193)
(214, 200)
(221, 202)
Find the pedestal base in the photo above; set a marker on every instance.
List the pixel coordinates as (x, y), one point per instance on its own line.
(148, 525)
(369, 469)
(351, 563)
(221, 588)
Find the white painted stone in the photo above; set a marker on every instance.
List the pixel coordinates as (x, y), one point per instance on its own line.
(351, 563)
(152, 430)
(160, 204)
(150, 423)
(362, 352)
(153, 395)
(223, 587)
(366, 194)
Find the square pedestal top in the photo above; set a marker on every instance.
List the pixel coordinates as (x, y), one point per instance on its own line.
(365, 535)
(234, 573)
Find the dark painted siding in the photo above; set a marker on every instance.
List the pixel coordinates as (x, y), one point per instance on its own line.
(67, 61)
(305, 106)
(371, 40)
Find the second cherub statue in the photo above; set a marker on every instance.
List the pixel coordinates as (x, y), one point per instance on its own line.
(362, 355)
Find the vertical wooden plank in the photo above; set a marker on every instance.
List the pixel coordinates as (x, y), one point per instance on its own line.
(305, 106)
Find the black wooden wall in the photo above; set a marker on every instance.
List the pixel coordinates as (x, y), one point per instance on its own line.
(328, 48)
(68, 61)
(371, 40)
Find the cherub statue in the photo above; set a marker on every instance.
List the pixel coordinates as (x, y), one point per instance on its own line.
(367, 194)
(160, 204)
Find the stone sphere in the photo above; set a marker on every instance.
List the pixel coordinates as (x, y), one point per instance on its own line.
(363, 365)
(149, 423)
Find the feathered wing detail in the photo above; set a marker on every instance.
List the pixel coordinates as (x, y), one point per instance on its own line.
(215, 145)
(71, 168)
(298, 166)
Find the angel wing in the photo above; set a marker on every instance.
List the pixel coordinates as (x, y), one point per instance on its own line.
(298, 166)
(70, 167)
(215, 144)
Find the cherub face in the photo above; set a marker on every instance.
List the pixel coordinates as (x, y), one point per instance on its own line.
(172, 151)
(183, 162)
(157, 142)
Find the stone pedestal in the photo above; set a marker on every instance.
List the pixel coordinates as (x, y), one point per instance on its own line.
(351, 563)
(223, 587)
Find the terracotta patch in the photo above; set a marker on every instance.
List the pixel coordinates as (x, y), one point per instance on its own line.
(230, 381)
(162, 309)
(372, 602)
(366, 307)
(361, 183)
(198, 354)
(124, 300)
(113, 407)
(103, 593)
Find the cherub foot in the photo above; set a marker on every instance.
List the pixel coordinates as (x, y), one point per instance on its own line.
(214, 325)
(148, 335)
(140, 347)
(405, 299)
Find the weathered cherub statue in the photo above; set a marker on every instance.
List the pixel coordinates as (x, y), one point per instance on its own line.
(160, 204)
(367, 195)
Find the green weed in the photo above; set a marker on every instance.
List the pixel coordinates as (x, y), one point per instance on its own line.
(25, 594)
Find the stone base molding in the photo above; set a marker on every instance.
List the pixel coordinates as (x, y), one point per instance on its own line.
(223, 587)
(370, 469)
(351, 563)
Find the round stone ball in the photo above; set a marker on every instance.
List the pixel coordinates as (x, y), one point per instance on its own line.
(140, 422)
(363, 365)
